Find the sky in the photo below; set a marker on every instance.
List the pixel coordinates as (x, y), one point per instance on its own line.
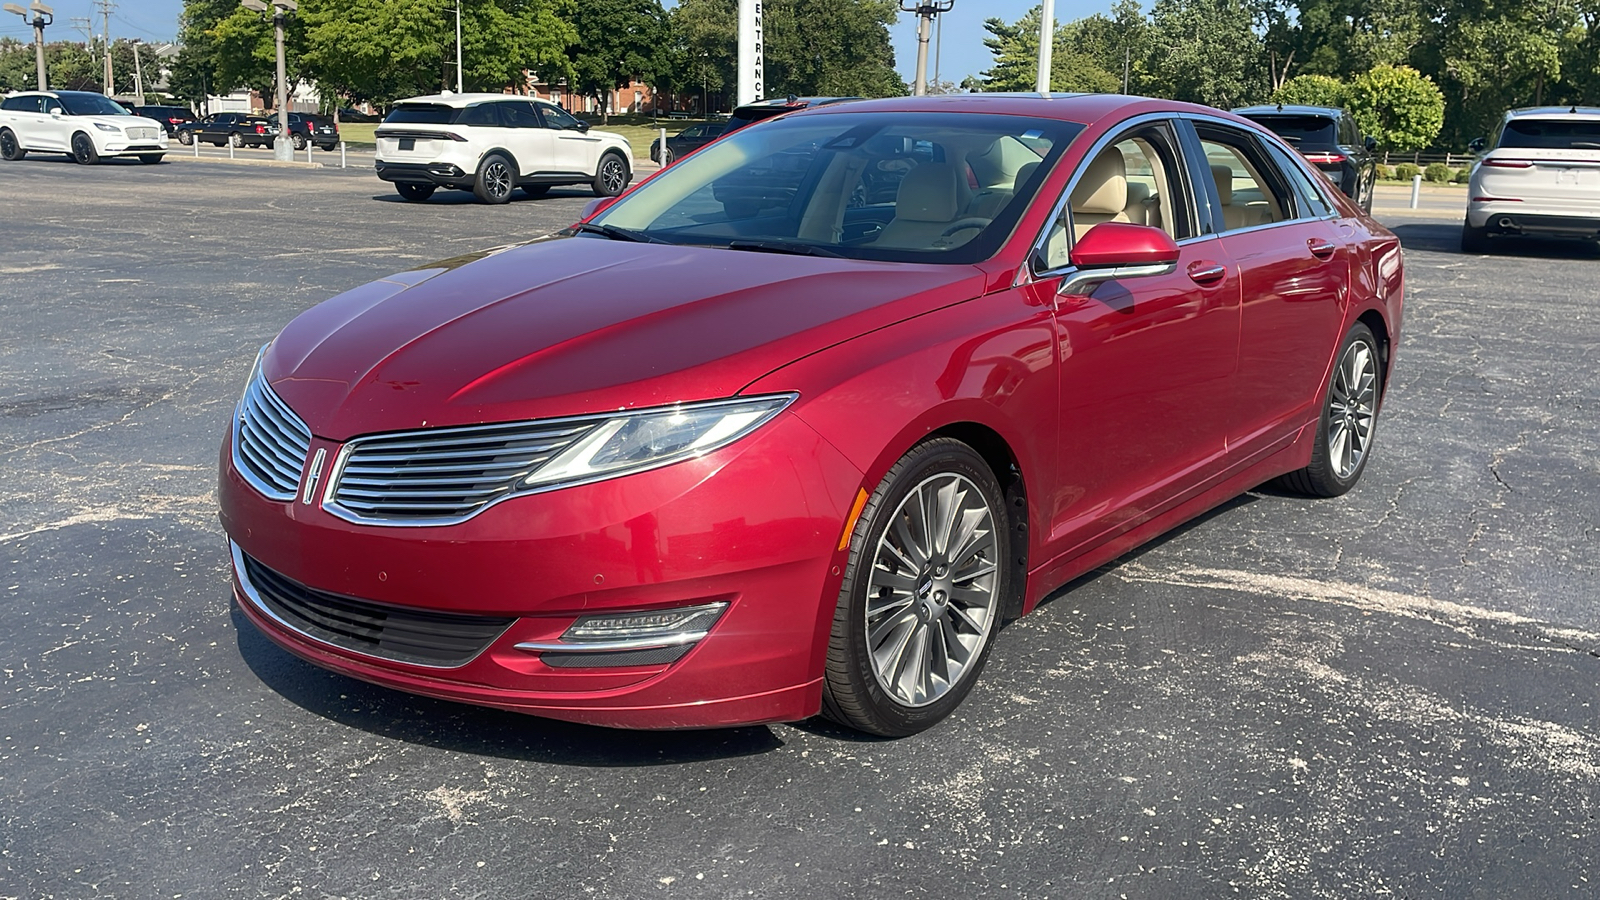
(962, 51)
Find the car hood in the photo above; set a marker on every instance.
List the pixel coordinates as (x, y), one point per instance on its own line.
(568, 326)
(119, 121)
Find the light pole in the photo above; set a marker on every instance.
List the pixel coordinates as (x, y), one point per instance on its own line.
(282, 148)
(1047, 43)
(458, 46)
(927, 11)
(42, 16)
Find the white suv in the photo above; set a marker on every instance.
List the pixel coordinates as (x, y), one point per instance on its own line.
(492, 143)
(1539, 176)
(83, 125)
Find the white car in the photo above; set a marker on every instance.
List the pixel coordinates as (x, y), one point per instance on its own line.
(1538, 175)
(491, 144)
(85, 126)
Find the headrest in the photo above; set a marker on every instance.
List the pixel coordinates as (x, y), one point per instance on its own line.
(1023, 174)
(1223, 176)
(1103, 190)
(1138, 192)
(927, 194)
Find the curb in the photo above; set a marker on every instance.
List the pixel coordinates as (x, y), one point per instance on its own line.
(274, 163)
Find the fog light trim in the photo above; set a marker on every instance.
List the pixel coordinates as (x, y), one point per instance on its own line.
(624, 632)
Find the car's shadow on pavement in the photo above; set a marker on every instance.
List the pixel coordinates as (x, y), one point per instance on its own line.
(477, 730)
(1446, 238)
(467, 198)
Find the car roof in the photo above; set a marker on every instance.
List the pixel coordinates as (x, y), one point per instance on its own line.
(1284, 109)
(1081, 108)
(1554, 112)
(797, 102)
(463, 100)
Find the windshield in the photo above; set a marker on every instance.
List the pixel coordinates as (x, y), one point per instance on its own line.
(1301, 130)
(422, 114)
(91, 105)
(1552, 134)
(925, 187)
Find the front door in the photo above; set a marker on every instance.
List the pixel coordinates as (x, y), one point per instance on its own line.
(575, 150)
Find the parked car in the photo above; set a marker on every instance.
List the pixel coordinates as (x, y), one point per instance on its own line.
(170, 117)
(1538, 174)
(307, 128)
(686, 141)
(761, 110)
(238, 129)
(1328, 138)
(85, 126)
(491, 144)
(671, 468)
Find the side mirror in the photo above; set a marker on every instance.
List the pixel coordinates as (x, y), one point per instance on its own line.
(1115, 250)
(595, 207)
(583, 127)
(1371, 142)
(1477, 144)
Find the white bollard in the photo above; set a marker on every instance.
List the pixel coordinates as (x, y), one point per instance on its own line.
(230, 149)
(196, 145)
(663, 159)
(1416, 190)
(308, 153)
(342, 163)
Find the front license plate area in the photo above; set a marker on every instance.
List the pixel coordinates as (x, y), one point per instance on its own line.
(408, 143)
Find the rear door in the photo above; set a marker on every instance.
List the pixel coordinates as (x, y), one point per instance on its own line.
(525, 136)
(1554, 162)
(1293, 270)
(25, 115)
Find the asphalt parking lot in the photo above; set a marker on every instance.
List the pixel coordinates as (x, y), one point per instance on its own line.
(1388, 694)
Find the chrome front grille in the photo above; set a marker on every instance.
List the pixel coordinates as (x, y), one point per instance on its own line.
(269, 442)
(142, 134)
(441, 476)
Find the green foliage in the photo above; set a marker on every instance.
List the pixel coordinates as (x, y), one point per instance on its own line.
(1406, 171)
(1463, 176)
(618, 40)
(1398, 105)
(1438, 173)
(1206, 51)
(1384, 172)
(1311, 90)
(1087, 55)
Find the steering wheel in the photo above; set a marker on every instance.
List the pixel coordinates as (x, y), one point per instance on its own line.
(964, 224)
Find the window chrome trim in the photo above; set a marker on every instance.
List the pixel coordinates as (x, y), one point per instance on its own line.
(330, 489)
(1040, 243)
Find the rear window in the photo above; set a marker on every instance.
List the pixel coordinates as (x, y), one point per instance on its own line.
(1298, 130)
(1552, 134)
(422, 114)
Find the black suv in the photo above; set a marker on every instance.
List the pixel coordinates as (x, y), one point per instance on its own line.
(238, 129)
(1330, 140)
(170, 117)
(686, 141)
(305, 128)
(751, 113)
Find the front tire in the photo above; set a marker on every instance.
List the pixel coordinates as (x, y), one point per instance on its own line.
(494, 180)
(611, 177)
(83, 152)
(923, 593)
(1348, 421)
(150, 159)
(10, 147)
(185, 138)
(416, 193)
(236, 139)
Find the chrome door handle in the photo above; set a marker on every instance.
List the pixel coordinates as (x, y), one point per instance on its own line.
(1321, 249)
(1207, 273)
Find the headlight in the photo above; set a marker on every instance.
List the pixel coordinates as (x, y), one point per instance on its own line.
(111, 128)
(638, 441)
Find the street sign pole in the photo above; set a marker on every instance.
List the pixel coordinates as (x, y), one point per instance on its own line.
(751, 87)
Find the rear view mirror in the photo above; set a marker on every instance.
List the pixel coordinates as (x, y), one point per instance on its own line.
(1116, 250)
(1371, 142)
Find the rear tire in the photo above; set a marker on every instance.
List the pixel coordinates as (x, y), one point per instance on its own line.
(1348, 422)
(611, 176)
(298, 140)
(83, 152)
(185, 138)
(416, 193)
(10, 147)
(235, 139)
(1474, 240)
(915, 618)
(494, 180)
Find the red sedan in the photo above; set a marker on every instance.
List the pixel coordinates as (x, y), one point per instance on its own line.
(799, 423)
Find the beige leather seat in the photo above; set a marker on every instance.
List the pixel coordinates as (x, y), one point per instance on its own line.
(929, 199)
(988, 203)
(1102, 194)
(1236, 216)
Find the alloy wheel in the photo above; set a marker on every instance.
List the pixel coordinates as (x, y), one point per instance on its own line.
(497, 179)
(8, 145)
(931, 598)
(613, 175)
(1352, 408)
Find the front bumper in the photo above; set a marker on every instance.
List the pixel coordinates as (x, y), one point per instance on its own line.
(754, 525)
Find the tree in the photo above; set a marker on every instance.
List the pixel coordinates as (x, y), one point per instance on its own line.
(1077, 52)
(618, 41)
(1311, 90)
(1205, 51)
(1399, 106)
(836, 48)
(705, 44)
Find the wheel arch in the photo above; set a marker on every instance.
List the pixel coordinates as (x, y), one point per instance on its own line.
(1007, 469)
(515, 165)
(1375, 321)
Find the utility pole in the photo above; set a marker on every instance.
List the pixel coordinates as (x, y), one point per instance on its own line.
(42, 16)
(138, 77)
(1047, 41)
(458, 46)
(927, 11)
(282, 148)
(105, 7)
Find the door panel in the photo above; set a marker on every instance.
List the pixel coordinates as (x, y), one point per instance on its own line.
(525, 136)
(573, 150)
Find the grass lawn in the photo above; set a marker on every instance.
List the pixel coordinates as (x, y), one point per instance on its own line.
(358, 132)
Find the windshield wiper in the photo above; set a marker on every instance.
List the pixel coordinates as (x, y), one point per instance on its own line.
(618, 234)
(790, 247)
(1591, 145)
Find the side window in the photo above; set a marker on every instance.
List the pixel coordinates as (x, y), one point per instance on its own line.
(483, 116)
(1251, 191)
(1137, 179)
(518, 114)
(1309, 201)
(557, 118)
(52, 105)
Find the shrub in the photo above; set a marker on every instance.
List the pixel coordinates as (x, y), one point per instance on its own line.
(1406, 171)
(1464, 175)
(1384, 172)
(1438, 173)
